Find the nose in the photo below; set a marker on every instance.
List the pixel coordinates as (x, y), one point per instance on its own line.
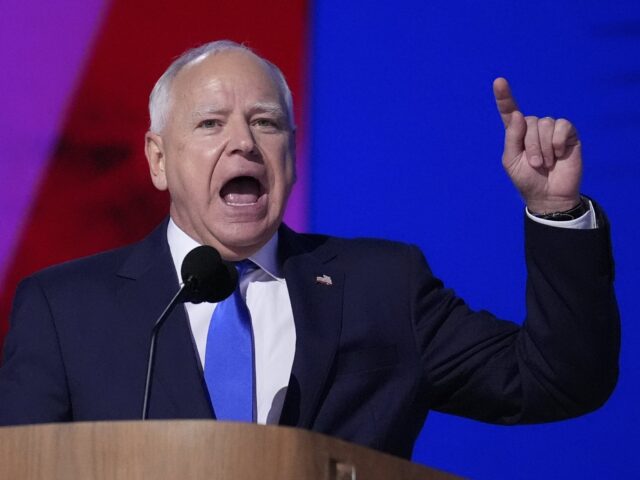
(241, 140)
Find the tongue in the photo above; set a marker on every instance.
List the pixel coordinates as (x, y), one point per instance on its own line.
(241, 191)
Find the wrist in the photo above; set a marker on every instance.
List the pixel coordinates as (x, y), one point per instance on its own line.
(548, 206)
(562, 211)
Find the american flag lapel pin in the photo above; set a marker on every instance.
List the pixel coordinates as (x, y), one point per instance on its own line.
(324, 280)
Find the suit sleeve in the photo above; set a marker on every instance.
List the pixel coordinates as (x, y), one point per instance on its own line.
(33, 386)
(562, 362)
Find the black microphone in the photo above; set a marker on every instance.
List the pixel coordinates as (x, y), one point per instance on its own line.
(207, 278)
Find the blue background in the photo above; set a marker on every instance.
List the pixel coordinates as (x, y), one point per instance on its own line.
(406, 144)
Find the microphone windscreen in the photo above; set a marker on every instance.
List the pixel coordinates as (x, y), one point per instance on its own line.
(206, 276)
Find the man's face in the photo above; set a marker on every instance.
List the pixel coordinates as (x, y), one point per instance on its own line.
(226, 153)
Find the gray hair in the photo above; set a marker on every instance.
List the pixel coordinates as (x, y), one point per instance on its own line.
(160, 98)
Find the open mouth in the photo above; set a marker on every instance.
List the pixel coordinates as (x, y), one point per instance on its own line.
(242, 191)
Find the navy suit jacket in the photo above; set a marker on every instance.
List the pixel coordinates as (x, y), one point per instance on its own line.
(375, 350)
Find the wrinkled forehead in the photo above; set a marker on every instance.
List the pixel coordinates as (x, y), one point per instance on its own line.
(227, 67)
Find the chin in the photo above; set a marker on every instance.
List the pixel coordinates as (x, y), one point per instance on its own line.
(244, 239)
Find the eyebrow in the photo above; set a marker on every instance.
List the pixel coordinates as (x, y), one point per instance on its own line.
(268, 107)
(209, 110)
(272, 108)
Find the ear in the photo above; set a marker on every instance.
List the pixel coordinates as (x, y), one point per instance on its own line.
(154, 150)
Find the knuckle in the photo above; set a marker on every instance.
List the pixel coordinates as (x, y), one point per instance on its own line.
(532, 147)
(546, 122)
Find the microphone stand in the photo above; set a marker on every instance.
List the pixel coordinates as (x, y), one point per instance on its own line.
(152, 347)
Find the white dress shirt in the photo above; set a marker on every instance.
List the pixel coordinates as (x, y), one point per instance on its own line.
(274, 332)
(585, 222)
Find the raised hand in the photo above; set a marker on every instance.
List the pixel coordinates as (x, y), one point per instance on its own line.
(542, 156)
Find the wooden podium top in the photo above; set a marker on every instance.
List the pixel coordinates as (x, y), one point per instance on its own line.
(194, 449)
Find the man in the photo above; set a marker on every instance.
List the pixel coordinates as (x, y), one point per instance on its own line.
(336, 350)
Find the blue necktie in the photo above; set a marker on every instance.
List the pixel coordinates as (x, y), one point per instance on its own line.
(228, 368)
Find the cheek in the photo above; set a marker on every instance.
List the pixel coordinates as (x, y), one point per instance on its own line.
(281, 162)
(187, 175)
(194, 161)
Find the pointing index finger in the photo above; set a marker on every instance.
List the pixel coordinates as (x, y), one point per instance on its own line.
(504, 100)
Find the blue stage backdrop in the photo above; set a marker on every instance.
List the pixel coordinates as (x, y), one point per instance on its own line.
(406, 145)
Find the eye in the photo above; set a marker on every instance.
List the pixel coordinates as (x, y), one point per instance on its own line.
(266, 123)
(210, 123)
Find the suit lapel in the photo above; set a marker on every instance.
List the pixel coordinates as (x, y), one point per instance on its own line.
(316, 292)
(150, 281)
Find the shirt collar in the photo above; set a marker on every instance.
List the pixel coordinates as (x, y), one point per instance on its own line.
(180, 244)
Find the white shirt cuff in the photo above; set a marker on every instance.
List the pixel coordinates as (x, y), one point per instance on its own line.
(585, 222)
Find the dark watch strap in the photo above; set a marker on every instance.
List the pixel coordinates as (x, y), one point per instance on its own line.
(571, 214)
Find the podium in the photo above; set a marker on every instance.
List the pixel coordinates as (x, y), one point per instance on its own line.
(192, 450)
